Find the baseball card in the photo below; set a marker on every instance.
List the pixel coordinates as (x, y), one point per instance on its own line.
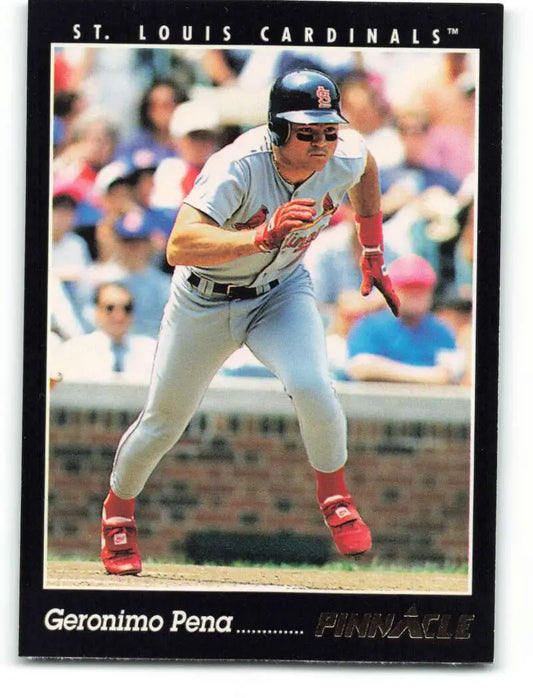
(261, 376)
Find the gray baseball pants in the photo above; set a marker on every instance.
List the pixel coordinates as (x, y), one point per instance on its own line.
(282, 328)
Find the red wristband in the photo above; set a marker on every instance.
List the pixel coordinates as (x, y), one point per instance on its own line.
(370, 230)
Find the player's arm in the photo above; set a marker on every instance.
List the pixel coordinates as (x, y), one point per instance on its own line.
(197, 240)
(365, 197)
(371, 367)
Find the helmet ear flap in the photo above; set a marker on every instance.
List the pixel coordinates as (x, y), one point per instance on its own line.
(279, 130)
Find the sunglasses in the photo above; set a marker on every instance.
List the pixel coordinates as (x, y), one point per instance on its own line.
(309, 137)
(131, 240)
(127, 308)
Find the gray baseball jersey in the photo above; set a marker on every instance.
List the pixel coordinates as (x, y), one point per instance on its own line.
(240, 188)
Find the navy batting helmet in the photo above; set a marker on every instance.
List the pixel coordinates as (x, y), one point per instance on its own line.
(302, 97)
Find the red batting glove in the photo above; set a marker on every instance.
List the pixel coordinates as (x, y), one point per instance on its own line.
(372, 263)
(375, 274)
(286, 218)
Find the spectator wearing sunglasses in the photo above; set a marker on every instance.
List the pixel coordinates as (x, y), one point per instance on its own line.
(112, 349)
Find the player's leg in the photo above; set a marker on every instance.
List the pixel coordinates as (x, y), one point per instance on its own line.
(194, 341)
(288, 336)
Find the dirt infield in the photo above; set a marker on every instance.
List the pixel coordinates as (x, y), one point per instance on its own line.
(171, 577)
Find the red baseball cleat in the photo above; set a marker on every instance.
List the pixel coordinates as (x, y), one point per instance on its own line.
(350, 533)
(120, 553)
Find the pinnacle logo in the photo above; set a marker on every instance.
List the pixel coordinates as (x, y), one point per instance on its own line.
(324, 97)
(430, 626)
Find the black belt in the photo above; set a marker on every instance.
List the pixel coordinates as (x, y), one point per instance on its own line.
(231, 291)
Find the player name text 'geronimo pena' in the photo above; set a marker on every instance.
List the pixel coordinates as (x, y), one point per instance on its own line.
(57, 619)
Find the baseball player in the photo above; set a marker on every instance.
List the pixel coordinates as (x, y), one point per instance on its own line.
(237, 246)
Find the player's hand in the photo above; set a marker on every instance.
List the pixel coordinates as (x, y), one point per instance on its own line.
(375, 274)
(286, 218)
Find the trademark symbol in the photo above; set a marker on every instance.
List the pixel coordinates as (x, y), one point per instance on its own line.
(454, 31)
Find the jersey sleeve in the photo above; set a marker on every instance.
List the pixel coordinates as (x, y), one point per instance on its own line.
(220, 188)
(353, 152)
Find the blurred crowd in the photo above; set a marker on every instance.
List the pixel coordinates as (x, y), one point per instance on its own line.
(133, 127)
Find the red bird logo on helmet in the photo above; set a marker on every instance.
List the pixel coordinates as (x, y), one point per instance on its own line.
(324, 97)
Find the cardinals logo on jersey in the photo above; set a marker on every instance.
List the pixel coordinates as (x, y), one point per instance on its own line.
(299, 239)
(254, 221)
(328, 206)
(328, 209)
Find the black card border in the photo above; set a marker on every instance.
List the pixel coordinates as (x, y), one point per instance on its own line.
(483, 27)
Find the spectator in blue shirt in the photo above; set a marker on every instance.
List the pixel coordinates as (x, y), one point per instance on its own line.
(420, 202)
(149, 286)
(333, 264)
(413, 176)
(155, 112)
(132, 266)
(415, 347)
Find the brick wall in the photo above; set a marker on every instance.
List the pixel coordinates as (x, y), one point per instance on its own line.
(249, 475)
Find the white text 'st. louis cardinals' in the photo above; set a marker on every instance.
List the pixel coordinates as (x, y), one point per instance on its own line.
(240, 188)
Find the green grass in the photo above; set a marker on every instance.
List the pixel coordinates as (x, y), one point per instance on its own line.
(336, 566)
(349, 565)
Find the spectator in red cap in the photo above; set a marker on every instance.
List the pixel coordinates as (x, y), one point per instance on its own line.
(415, 347)
(94, 135)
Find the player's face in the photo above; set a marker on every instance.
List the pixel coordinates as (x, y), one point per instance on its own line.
(415, 302)
(114, 311)
(361, 109)
(413, 132)
(144, 187)
(118, 199)
(63, 218)
(197, 148)
(161, 105)
(310, 146)
(98, 143)
(135, 253)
